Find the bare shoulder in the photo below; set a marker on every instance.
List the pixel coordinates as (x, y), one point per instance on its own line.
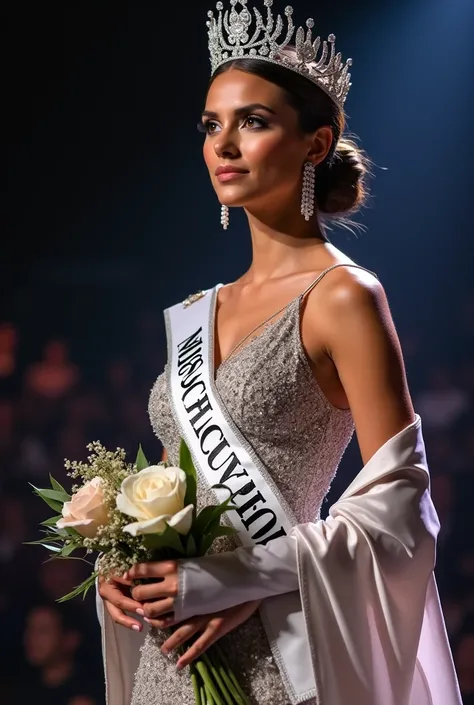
(347, 292)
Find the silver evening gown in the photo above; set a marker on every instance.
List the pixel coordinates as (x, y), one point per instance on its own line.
(269, 390)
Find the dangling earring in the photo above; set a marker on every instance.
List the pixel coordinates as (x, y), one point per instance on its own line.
(224, 217)
(307, 195)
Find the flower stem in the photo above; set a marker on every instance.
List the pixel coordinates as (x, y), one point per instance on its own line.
(195, 684)
(204, 673)
(227, 670)
(209, 699)
(219, 681)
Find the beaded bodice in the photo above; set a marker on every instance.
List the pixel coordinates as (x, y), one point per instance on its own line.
(269, 390)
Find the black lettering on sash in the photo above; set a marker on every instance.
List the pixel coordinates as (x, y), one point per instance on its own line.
(257, 515)
(207, 433)
(190, 342)
(198, 383)
(252, 502)
(203, 405)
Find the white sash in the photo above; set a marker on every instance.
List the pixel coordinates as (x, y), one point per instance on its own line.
(223, 456)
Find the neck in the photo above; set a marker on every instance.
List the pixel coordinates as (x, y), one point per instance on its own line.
(56, 673)
(282, 244)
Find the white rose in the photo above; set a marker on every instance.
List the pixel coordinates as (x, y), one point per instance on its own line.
(155, 496)
(86, 510)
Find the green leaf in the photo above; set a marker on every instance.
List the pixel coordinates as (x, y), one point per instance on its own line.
(191, 548)
(52, 521)
(68, 548)
(50, 538)
(169, 538)
(224, 531)
(57, 495)
(209, 518)
(53, 504)
(186, 464)
(141, 462)
(56, 486)
(50, 547)
(206, 541)
(203, 519)
(81, 589)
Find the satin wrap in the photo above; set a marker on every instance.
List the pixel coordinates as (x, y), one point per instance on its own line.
(371, 605)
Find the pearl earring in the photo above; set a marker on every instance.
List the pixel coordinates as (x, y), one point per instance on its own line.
(307, 195)
(224, 217)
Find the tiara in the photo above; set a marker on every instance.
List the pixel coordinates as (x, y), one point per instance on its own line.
(328, 71)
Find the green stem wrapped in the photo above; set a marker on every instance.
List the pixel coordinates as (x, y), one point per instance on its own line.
(214, 669)
(227, 670)
(204, 673)
(195, 684)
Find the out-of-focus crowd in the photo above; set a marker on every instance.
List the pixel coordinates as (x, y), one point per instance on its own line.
(52, 406)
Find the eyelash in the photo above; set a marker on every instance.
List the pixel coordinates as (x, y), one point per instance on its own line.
(204, 126)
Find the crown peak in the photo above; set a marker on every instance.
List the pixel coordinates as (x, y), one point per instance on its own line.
(241, 33)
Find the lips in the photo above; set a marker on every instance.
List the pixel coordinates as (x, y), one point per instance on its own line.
(230, 170)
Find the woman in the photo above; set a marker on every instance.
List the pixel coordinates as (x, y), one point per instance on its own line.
(302, 350)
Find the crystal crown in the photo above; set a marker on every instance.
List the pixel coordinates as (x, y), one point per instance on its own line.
(237, 34)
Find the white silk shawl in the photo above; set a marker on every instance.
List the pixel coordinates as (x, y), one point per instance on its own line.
(372, 610)
(373, 616)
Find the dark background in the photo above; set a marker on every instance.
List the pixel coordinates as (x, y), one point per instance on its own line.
(109, 217)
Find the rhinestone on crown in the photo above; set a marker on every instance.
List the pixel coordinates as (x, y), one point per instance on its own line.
(231, 37)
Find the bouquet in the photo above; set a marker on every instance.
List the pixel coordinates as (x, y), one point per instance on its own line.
(131, 513)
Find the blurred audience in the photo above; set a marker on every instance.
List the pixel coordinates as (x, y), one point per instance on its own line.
(51, 408)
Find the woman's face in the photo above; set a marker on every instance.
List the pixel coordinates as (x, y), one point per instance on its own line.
(252, 130)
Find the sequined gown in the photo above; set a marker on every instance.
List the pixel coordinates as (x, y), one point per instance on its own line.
(270, 392)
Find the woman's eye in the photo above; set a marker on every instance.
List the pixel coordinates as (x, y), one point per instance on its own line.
(208, 127)
(255, 122)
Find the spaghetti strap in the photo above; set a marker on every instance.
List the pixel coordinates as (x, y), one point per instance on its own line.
(329, 269)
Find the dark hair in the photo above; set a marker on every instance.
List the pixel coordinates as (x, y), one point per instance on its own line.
(340, 186)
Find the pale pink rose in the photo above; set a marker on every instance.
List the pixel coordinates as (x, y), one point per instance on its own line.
(86, 510)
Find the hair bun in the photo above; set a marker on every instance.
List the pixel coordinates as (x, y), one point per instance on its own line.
(340, 183)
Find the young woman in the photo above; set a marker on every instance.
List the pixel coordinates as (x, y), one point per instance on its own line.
(301, 351)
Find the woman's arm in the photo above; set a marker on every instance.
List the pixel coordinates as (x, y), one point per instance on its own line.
(352, 318)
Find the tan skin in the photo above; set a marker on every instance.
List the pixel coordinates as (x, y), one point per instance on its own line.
(346, 330)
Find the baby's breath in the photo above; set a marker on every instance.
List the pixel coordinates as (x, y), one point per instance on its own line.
(118, 550)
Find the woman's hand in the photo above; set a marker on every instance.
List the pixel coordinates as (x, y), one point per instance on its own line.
(211, 627)
(157, 598)
(117, 600)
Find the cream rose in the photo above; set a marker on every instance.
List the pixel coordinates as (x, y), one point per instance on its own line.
(86, 510)
(155, 496)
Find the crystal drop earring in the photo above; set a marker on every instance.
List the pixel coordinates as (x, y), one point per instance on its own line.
(224, 217)
(307, 195)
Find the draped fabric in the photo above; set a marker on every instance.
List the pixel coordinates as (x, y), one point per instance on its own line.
(372, 610)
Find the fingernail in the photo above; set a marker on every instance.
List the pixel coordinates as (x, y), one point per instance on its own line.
(125, 576)
(140, 612)
(164, 651)
(135, 627)
(145, 619)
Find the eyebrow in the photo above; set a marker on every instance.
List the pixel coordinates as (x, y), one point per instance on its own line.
(241, 111)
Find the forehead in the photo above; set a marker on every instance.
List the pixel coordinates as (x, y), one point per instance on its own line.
(235, 88)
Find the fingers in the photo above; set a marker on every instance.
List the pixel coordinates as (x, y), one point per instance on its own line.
(182, 635)
(120, 617)
(168, 587)
(211, 634)
(114, 595)
(153, 569)
(152, 610)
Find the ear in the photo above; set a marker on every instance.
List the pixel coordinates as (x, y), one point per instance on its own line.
(321, 142)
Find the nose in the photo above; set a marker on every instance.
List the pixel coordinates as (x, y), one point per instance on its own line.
(225, 146)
